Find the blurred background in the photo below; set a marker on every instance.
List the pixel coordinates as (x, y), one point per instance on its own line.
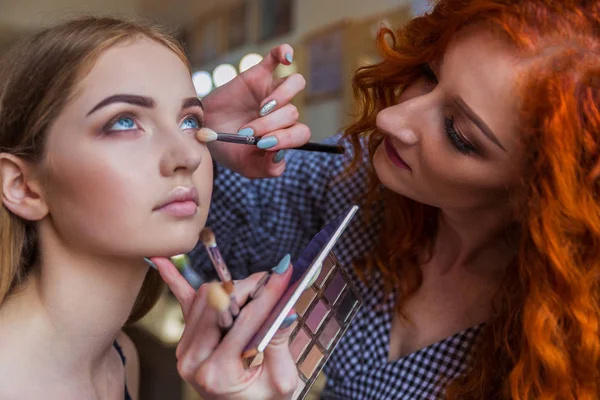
(331, 39)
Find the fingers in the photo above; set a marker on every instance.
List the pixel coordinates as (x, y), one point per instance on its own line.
(281, 118)
(282, 54)
(283, 94)
(200, 336)
(202, 333)
(182, 290)
(256, 311)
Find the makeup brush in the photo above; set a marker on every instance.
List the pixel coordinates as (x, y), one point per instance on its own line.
(210, 243)
(208, 135)
(219, 300)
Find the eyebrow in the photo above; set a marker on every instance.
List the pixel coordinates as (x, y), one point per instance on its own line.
(192, 102)
(478, 121)
(141, 101)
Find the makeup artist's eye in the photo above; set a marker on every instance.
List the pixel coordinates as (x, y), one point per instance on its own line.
(191, 122)
(456, 138)
(428, 74)
(121, 123)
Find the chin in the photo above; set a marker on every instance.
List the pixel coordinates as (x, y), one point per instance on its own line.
(170, 244)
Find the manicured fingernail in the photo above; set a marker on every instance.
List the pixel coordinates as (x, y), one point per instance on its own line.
(283, 265)
(267, 142)
(289, 57)
(268, 107)
(288, 321)
(246, 132)
(279, 156)
(150, 263)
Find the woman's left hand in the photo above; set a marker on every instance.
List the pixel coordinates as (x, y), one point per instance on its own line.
(236, 106)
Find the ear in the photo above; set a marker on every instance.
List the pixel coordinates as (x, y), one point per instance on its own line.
(21, 193)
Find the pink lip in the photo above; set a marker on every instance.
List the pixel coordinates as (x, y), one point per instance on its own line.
(181, 202)
(394, 156)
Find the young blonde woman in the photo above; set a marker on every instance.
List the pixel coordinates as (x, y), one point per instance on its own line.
(100, 168)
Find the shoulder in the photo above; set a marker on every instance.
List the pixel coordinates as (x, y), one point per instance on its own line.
(132, 364)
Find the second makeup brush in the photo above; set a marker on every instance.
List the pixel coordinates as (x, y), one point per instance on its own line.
(208, 135)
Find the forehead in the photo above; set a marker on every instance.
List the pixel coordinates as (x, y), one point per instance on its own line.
(142, 67)
(483, 68)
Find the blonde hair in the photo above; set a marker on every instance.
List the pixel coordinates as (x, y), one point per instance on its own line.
(38, 76)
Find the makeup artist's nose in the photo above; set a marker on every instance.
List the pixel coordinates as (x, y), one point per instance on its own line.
(390, 121)
(181, 154)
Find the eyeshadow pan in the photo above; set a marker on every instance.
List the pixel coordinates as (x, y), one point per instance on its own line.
(311, 361)
(335, 288)
(346, 306)
(304, 301)
(329, 333)
(328, 266)
(316, 317)
(299, 344)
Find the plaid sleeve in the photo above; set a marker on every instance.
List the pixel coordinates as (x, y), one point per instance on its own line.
(256, 222)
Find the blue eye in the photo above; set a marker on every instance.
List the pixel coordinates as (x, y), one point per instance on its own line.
(190, 122)
(123, 123)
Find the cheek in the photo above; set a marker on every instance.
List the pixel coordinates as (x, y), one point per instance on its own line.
(203, 180)
(86, 191)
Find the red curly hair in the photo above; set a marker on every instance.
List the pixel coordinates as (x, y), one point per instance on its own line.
(543, 340)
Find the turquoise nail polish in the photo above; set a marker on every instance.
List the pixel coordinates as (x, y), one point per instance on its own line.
(267, 142)
(150, 263)
(279, 156)
(283, 265)
(288, 321)
(246, 132)
(289, 57)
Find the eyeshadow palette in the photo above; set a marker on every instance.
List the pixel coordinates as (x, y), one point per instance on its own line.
(325, 310)
(322, 296)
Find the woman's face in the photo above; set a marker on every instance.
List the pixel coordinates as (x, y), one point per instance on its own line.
(452, 139)
(123, 174)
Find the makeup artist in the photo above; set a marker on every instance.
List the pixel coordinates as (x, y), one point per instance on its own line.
(475, 157)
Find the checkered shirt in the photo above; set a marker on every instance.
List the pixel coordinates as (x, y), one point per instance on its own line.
(257, 222)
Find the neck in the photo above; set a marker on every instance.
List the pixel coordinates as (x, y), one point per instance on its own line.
(71, 309)
(468, 239)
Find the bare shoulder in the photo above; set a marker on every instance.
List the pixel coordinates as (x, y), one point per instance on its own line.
(132, 364)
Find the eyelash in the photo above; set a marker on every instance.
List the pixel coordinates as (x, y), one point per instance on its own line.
(453, 135)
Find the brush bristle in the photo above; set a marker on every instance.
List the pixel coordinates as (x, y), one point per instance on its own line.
(208, 237)
(206, 135)
(217, 297)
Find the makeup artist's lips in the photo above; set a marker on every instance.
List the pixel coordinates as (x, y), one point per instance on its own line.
(181, 202)
(393, 155)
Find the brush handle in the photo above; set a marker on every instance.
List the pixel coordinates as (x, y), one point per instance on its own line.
(253, 140)
(322, 148)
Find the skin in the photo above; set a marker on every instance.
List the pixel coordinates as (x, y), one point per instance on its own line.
(471, 189)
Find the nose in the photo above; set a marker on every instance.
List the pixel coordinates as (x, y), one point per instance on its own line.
(394, 122)
(181, 153)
